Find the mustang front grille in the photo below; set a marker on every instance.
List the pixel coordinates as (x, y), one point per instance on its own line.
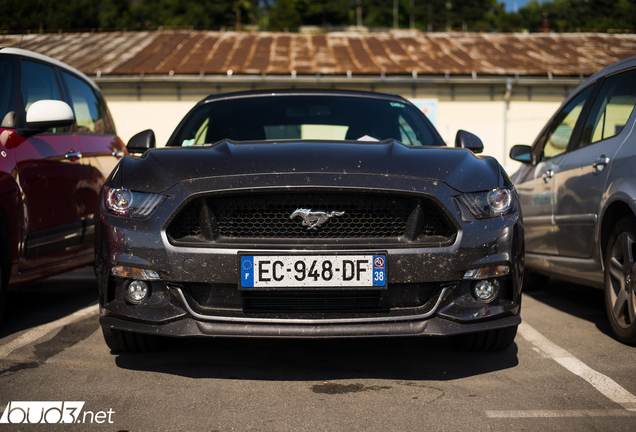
(310, 217)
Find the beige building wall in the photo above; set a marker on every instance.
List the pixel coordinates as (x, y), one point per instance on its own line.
(135, 116)
(525, 119)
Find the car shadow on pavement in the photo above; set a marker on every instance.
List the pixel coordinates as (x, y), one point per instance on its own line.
(577, 300)
(29, 306)
(310, 360)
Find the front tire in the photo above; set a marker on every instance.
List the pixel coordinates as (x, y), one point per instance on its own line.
(620, 280)
(533, 281)
(125, 341)
(491, 340)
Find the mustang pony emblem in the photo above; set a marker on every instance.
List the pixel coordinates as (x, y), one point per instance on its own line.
(313, 219)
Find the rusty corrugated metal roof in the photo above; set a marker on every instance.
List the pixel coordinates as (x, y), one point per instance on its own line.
(391, 53)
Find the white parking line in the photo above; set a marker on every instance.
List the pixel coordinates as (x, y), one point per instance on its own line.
(607, 386)
(37, 332)
(559, 413)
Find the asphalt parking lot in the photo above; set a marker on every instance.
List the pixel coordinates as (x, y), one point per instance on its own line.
(564, 372)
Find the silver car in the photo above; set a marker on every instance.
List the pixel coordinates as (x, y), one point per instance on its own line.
(577, 188)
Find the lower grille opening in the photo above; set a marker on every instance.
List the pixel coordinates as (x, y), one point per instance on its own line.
(323, 301)
(228, 300)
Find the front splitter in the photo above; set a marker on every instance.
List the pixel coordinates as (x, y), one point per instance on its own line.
(189, 327)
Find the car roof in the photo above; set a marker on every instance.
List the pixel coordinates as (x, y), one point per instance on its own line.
(302, 92)
(628, 63)
(47, 59)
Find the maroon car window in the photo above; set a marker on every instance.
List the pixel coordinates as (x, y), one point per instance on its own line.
(8, 90)
(88, 110)
(38, 83)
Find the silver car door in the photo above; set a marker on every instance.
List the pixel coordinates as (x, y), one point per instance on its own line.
(535, 195)
(536, 192)
(580, 181)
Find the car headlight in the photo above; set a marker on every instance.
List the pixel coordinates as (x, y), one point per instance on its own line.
(122, 202)
(489, 204)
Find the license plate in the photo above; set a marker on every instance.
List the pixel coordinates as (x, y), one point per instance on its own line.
(319, 271)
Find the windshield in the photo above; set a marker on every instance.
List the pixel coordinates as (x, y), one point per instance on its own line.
(306, 117)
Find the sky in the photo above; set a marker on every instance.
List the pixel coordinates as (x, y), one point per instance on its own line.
(512, 5)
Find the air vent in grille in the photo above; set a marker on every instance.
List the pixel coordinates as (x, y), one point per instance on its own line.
(188, 224)
(267, 217)
(325, 301)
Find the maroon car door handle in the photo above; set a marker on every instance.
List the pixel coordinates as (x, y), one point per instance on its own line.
(73, 156)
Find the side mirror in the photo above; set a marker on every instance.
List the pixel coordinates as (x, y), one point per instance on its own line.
(141, 142)
(521, 153)
(469, 141)
(47, 114)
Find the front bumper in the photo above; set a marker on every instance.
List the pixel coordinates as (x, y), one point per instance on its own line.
(426, 293)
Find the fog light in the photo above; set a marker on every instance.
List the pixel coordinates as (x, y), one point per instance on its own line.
(137, 291)
(486, 290)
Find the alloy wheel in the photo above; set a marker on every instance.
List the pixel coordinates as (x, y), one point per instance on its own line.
(621, 279)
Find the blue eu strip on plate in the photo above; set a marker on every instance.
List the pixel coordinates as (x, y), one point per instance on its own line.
(247, 272)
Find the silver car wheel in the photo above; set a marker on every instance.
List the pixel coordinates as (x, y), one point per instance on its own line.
(620, 281)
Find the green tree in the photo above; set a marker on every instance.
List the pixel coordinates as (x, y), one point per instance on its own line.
(467, 13)
(24, 15)
(119, 14)
(498, 19)
(284, 14)
(377, 13)
(583, 15)
(325, 12)
(472, 15)
(291, 14)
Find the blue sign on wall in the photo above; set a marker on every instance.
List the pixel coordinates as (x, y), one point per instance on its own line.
(428, 107)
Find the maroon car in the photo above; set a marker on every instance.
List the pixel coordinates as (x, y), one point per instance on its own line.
(57, 145)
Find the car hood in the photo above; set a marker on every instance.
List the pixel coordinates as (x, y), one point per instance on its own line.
(160, 169)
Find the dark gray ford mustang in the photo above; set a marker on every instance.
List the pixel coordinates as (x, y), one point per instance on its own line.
(308, 214)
